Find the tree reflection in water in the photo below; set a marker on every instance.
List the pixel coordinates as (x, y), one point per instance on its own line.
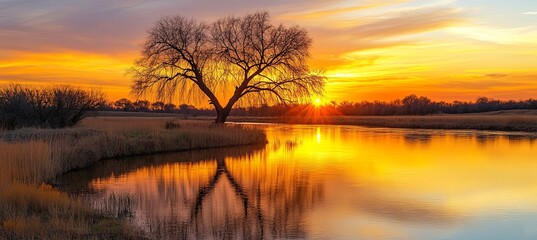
(218, 193)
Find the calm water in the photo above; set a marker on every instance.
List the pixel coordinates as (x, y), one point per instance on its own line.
(329, 182)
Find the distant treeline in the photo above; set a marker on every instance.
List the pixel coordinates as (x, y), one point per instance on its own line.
(410, 105)
(418, 105)
(127, 105)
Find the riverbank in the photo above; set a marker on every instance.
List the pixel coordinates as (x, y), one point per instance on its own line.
(29, 208)
(496, 121)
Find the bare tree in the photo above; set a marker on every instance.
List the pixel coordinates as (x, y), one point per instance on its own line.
(241, 59)
(54, 107)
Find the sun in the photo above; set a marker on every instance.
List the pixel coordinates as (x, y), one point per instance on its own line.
(317, 102)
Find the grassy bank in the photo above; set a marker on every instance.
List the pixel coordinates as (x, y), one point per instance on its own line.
(506, 121)
(30, 157)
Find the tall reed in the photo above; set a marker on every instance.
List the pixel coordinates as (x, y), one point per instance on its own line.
(26, 162)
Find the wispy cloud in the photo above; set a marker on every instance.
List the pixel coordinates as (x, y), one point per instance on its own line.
(390, 29)
(530, 13)
(512, 36)
(411, 22)
(330, 11)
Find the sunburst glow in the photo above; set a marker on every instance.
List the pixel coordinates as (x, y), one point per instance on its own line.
(317, 102)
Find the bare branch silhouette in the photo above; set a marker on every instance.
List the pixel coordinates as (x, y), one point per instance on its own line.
(204, 191)
(241, 59)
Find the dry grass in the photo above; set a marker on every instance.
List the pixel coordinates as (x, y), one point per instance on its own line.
(494, 122)
(30, 157)
(130, 123)
(26, 162)
(29, 211)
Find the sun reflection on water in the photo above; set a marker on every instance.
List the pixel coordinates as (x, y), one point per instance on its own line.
(355, 183)
(319, 135)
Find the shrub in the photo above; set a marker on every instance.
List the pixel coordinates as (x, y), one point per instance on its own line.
(54, 107)
(171, 125)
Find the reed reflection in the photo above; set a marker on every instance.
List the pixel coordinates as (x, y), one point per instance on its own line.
(418, 138)
(219, 193)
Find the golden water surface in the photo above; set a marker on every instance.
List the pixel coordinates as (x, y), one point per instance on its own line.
(330, 182)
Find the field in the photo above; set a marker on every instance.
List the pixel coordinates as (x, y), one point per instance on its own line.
(31, 158)
(517, 120)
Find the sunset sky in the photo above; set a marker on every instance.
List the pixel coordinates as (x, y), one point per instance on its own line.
(371, 50)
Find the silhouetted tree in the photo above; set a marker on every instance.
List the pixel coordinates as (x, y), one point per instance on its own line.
(170, 107)
(157, 106)
(186, 109)
(124, 104)
(66, 105)
(236, 58)
(55, 107)
(141, 105)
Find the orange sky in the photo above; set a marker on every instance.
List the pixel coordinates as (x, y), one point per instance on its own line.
(447, 50)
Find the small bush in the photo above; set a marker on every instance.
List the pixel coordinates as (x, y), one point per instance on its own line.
(55, 107)
(171, 125)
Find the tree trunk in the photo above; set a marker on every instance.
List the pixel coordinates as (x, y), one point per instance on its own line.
(221, 115)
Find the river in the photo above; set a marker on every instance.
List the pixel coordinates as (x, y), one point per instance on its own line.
(328, 182)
